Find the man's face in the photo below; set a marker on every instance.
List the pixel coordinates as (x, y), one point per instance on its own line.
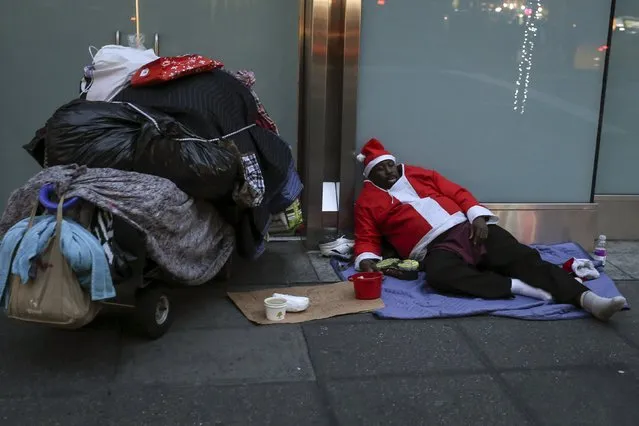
(385, 174)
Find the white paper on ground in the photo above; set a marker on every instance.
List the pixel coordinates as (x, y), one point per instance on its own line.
(294, 303)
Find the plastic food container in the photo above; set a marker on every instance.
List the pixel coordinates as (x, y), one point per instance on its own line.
(368, 285)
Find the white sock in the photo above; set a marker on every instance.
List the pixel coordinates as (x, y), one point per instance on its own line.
(601, 308)
(521, 288)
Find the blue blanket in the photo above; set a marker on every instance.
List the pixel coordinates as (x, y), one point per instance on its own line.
(414, 299)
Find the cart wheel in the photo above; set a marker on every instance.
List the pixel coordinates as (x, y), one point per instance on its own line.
(153, 313)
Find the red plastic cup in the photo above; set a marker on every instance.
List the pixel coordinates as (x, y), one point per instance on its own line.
(368, 285)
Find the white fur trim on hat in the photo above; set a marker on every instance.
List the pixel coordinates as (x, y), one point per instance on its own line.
(376, 161)
(361, 157)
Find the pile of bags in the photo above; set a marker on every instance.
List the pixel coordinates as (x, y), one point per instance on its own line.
(179, 149)
(186, 119)
(125, 137)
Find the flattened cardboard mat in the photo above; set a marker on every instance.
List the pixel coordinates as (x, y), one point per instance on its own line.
(326, 301)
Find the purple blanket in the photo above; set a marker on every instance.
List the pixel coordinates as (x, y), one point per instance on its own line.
(414, 299)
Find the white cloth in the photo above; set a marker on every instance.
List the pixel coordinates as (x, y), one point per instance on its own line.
(114, 65)
(585, 269)
(294, 303)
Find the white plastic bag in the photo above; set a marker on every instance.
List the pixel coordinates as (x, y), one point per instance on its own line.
(113, 67)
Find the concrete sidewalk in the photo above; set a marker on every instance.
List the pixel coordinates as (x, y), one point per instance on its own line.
(216, 368)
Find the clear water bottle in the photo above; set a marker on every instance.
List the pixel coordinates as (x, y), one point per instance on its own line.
(600, 253)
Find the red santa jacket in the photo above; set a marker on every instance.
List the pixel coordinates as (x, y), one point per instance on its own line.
(419, 207)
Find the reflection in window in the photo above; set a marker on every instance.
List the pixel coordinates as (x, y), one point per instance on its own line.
(436, 76)
(526, 58)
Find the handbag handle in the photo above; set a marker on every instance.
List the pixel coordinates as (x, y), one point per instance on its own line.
(60, 209)
(32, 216)
(59, 217)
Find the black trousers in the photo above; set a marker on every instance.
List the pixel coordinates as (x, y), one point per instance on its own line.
(505, 258)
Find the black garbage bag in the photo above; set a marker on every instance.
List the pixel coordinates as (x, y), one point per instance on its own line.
(125, 137)
(35, 148)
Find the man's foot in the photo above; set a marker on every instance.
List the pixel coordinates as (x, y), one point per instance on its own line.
(521, 288)
(601, 308)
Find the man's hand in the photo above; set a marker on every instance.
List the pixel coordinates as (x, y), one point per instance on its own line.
(479, 230)
(368, 265)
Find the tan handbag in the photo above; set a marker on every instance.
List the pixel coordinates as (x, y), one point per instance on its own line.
(54, 296)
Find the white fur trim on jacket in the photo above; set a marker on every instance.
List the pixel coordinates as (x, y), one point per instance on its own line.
(376, 161)
(477, 211)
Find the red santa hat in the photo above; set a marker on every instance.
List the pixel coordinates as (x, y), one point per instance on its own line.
(373, 153)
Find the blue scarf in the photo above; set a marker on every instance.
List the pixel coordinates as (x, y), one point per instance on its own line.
(79, 247)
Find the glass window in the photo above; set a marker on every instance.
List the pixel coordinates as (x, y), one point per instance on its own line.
(501, 97)
(45, 45)
(257, 35)
(618, 172)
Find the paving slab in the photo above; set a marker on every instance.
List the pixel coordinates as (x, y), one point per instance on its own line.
(448, 400)
(37, 360)
(367, 317)
(615, 272)
(531, 344)
(592, 396)
(285, 404)
(204, 308)
(627, 263)
(282, 263)
(240, 355)
(630, 290)
(624, 255)
(323, 267)
(622, 247)
(387, 347)
(627, 323)
(89, 408)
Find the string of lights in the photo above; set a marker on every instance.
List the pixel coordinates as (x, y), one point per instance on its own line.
(525, 65)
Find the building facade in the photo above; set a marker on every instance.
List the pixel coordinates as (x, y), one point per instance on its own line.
(530, 104)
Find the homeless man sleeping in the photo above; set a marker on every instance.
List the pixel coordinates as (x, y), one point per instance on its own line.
(428, 218)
